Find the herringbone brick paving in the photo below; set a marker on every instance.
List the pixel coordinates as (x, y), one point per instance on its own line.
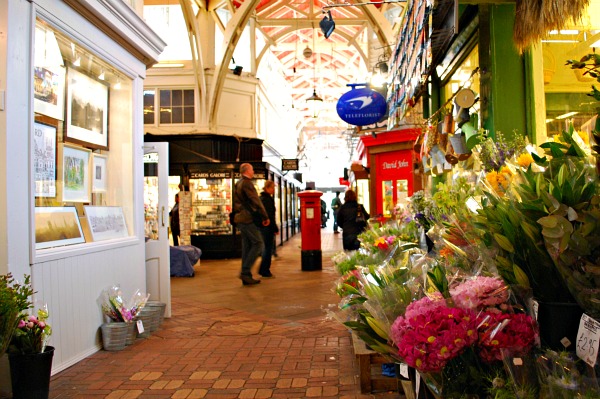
(225, 340)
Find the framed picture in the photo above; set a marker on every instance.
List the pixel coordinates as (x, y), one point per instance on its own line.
(57, 226)
(87, 111)
(44, 160)
(75, 174)
(48, 74)
(99, 183)
(106, 222)
(49, 91)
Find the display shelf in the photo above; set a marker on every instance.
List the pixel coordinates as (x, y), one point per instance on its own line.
(211, 204)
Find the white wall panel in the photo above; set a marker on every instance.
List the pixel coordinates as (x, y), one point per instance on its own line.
(71, 287)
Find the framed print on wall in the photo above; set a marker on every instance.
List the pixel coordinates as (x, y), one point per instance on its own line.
(44, 160)
(87, 111)
(106, 222)
(57, 226)
(99, 183)
(49, 91)
(75, 174)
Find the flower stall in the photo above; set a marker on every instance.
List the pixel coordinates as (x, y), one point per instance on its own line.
(468, 286)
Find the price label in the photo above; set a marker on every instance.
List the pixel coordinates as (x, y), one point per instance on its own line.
(140, 326)
(588, 337)
(404, 370)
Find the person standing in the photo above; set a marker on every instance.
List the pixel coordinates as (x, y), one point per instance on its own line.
(268, 232)
(174, 214)
(249, 214)
(346, 218)
(323, 214)
(336, 203)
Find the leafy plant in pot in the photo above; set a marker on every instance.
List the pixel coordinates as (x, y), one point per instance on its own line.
(511, 224)
(29, 356)
(14, 299)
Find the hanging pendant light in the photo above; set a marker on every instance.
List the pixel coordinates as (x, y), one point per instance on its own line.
(315, 99)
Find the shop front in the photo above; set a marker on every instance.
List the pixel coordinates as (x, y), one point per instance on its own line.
(391, 160)
(211, 184)
(71, 80)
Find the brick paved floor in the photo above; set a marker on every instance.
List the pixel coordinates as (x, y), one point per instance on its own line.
(225, 340)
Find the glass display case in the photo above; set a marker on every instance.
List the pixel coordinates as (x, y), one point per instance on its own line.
(211, 203)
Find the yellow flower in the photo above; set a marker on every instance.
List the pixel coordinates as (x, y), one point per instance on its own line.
(584, 136)
(525, 160)
(431, 339)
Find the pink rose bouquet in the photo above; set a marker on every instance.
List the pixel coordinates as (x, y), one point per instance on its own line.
(32, 333)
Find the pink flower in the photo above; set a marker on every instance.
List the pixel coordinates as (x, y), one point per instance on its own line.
(33, 319)
(42, 325)
(432, 336)
(505, 332)
(480, 292)
(21, 323)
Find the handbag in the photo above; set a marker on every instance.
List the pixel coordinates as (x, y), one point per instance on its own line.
(360, 216)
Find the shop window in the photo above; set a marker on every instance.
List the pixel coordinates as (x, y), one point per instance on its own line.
(566, 90)
(176, 106)
(149, 98)
(82, 144)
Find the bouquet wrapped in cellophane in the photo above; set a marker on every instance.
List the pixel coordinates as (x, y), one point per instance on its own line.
(376, 285)
(116, 309)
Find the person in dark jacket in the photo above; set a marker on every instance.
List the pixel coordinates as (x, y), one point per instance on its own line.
(174, 214)
(346, 219)
(268, 232)
(249, 215)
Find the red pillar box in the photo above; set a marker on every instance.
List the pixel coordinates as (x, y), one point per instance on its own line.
(310, 223)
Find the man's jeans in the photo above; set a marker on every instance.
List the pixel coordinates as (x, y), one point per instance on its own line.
(252, 246)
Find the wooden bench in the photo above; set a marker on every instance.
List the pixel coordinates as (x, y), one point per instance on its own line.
(370, 376)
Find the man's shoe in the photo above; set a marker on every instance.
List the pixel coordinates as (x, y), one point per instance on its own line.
(267, 275)
(249, 280)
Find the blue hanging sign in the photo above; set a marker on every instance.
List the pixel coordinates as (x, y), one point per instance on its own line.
(361, 107)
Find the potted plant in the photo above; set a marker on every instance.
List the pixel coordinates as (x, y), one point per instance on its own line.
(29, 356)
(14, 299)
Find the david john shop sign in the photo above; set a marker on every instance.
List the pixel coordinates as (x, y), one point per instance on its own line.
(397, 164)
(361, 107)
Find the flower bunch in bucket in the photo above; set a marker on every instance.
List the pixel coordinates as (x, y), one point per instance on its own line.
(116, 309)
(458, 335)
(32, 333)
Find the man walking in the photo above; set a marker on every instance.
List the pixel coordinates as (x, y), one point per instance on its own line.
(336, 203)
(249, 215)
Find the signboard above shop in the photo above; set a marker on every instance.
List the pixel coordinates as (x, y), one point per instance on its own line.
(361, 107)
(289, 164)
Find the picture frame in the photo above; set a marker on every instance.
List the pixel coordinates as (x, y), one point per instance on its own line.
(75, 174)
(99, 177)
(49, 75)
(57, 226)
(106, 222)
(87, 111)
(44, 159)
(49, 91)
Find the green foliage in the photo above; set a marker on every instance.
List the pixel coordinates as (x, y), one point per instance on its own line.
(14, 299)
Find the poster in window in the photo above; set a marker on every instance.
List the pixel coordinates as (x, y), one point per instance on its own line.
(49, 91)
(106, 222)
(99, 183)
(87, 111)
(57, 226)
(44, 160)
(75, 176)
